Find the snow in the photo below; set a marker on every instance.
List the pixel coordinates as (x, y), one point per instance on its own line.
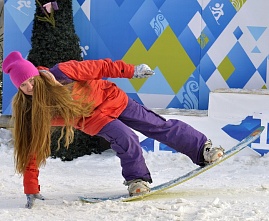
(236, 190)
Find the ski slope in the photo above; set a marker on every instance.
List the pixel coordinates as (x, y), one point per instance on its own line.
(236, 190)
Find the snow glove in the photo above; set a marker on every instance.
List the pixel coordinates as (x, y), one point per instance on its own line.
(143, 71)
(31, 199)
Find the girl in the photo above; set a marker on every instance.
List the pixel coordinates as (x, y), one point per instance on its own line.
(73, 94)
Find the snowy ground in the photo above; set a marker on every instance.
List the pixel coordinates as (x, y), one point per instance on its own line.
(236, 190)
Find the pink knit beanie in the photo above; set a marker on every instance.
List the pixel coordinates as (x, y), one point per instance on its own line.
(18, 68)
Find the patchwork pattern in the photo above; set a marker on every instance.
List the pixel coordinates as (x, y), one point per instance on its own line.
(194, 46)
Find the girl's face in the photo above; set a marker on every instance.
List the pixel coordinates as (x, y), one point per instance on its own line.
(28, 86)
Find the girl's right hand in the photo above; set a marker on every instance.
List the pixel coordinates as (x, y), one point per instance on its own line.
(31, 199)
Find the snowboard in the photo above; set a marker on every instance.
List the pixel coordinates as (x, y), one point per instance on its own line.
(181, 179)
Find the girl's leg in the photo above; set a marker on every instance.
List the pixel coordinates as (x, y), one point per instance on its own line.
(126, 144)
(174, 133)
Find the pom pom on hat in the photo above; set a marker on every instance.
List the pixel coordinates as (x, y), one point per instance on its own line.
(18, 68)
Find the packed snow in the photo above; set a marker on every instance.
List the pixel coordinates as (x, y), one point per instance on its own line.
(235, 190)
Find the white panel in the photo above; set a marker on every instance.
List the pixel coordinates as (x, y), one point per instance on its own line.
(194, 25)
(216, 81)
(238, 104)
(155, 100)
(255, 81)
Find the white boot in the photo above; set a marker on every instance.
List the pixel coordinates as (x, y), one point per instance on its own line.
(212, 154)
(137, 187)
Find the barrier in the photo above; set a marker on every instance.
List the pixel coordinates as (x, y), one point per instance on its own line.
(243, 110)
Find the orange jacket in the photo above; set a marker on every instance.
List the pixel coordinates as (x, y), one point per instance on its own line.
(109, 101)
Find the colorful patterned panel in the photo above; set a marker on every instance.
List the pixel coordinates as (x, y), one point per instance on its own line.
(194, 46)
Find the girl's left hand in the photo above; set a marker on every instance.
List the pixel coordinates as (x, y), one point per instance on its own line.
(143, 71)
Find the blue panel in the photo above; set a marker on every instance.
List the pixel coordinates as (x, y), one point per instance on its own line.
(262, 69)
(179, 13)
(256, 32)
(191, 45)
(76, 6)
(114, 28)
(175, 103)
(147, 144)
(141, 23)
(262, 152)
(242, 130)
(22, 44)
(124, 84)
(203, 95)
(83, 33)
(28, 33)
(156, 84)
(8, 90)
(22, 12)
(206, 67)
(189, 93)
(164, 147)
(242, 73)
(211, 39)
(159, 3)
(256, 50)
(119, 2)
(238, 33)
(135, 97)
(80, 2)
(217, 15)
(98, 48)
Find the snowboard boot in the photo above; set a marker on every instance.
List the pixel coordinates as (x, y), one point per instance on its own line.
(137, 187)
(212, 154)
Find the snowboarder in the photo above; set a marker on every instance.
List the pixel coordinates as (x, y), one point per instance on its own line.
(72, 94)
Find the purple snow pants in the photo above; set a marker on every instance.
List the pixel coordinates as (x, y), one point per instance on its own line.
(174, 133)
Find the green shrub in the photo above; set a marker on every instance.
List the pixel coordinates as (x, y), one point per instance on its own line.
(54, 40)
(83, 145)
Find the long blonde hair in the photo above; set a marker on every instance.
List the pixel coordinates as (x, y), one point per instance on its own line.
(32, 116)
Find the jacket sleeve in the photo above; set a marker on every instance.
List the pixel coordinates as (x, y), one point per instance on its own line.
(96, 69)
(30, 178)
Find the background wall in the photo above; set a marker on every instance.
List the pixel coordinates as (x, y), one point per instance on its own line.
(1, 48)
(194, 46)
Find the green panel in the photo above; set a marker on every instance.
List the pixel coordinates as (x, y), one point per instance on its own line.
(226, 68)
(168, 55)
(137, 54)
(203, 40)
(237, 4)
(172, 59)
